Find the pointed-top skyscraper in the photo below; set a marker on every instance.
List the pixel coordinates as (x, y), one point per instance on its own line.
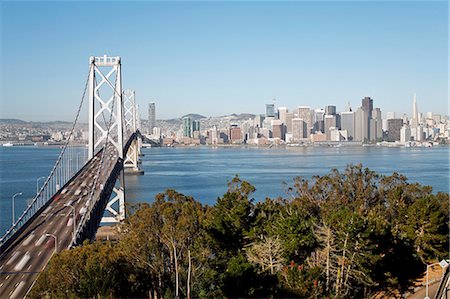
(415, 120)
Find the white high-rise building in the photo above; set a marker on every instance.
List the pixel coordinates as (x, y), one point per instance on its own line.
(415, 114)
(361, 125)
(348, 123)
(151, 117)
(282, 111)
(405, 134)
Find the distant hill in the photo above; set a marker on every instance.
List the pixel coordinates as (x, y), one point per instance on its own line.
(194, 116)
(12, 121)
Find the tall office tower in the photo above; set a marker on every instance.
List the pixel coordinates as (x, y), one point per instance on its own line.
(389, 115)
(304, 112)
(330, 110)
(394, 127)
(420, 133)
(348, 123)
(195, 125)
(270, 110)
(377, 115)
(151, 117)
(367, 105)
(361, 125)
(405, 134)
(187, 127)
(282, 114)
(289, 117)
(415, 114)
(329, 122)
(298, 130)
(214, 135)
(318, 118)
(278, 130)
(259, 120)
(235, 134)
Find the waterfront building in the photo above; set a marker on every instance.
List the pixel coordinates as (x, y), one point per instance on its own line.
(195, 125)
(259, 119)
(329, 122)
(289, 117)
(270, 110)
(187, 127)
(361, 125)
(151, 117)
(394, 127)
(377, 115)
(405, 134)
(348, 123)
(278, 129)
(304, 112)
(318, 120)
(235, 134)
(420, 133)
(298, 130)
(338, 135)
(367, 106)
(265, 132)
(318, 137)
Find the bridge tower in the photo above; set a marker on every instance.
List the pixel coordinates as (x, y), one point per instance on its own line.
(106, 122)
(132, 124)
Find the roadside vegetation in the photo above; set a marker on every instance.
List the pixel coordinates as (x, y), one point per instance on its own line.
(346, 234)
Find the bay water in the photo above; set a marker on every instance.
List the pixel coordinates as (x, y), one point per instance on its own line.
(203, 172)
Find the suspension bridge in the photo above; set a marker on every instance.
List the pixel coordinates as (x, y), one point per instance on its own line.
(77, 197)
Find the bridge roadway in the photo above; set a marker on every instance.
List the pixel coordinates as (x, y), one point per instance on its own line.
(30, 252)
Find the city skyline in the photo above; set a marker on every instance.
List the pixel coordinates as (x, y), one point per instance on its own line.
(223, 58)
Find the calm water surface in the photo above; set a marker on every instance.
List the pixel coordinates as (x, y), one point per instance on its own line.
(203, 172)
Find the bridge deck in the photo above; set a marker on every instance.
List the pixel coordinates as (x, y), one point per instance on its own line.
(29, 253)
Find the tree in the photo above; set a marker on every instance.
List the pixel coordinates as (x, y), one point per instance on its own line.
(267, 253)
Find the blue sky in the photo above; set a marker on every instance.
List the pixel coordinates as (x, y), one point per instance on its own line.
(216, 58)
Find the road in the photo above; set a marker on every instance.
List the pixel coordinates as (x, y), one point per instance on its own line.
(28, 255)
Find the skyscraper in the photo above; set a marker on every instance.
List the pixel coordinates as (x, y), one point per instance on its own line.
(361, 125)
(282, 111)
(394, 127)
(304, 112)
(270, 110)
(151, 117)
(330, 110)
(367, 106)
(329, 122)
(298, 130)
(415, 115)
(348, 123)
(318, 117)
(187, 127)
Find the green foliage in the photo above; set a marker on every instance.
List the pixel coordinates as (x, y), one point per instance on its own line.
(345, 234)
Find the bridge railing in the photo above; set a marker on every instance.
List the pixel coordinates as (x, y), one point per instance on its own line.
(70, 160)
(67, 164)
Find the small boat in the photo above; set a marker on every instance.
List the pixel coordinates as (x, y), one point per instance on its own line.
(8, 144)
